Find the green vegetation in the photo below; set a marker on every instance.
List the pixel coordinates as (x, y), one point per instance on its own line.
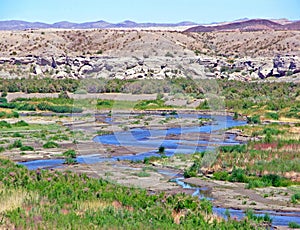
(27, 148)
(142, 174)
(161, 150)
(254, 119)
(38, 85)
(50, 144)
(271, 115)
(12, 114)
(60, 200)
(251, 216)
(17, 144)
(294, 225)
(295, 198)
(70, 157)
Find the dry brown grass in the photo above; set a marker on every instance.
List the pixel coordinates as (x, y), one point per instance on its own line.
(92, 205)
(12, 199)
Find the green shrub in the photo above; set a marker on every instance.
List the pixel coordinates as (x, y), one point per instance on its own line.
(17, 135)
(5, 124)
(161, 149)
(294, 225)
(275, 180)
(273, 116)
(295, 198)
(255, 183)
(235, 116)
(4, 94)
(105, 103)
(70, 161)
(70, 153)
(233, 148)
(203, 105)
(254, 119)
(192, 171)
(272, 131)
(13, 114)
(50, 144)
(21, 124)
(8, 105)
(17, 144)
(58, 108)
(3, 100)
(238, 175)
(26, 107)
(27, 148)
(148, 160)
(2, 114)
(251, 216)
(222, 175)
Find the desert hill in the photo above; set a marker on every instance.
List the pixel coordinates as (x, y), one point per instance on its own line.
(248, 25)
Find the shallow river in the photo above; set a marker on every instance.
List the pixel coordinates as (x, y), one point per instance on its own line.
(153, 138)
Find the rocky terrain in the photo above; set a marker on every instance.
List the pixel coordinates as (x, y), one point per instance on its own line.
(23, 25)
(133, 54)
(248, 25)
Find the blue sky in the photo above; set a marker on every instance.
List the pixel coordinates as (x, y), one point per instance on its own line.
(201, 11)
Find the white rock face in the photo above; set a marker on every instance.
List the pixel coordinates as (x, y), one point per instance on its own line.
(157, 67)
(37, 70)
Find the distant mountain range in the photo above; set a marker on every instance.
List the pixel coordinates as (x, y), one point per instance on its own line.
(248, 25)
(244, 24)
(22, 25)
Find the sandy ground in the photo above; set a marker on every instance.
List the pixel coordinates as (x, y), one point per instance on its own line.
(128, 174)
(234, 195)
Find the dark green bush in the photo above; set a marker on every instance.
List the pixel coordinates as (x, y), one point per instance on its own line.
(3, 100)
(192, 171)
(5, 124)
(273, 116)
(17, 144)
(238, 175)
(294, 225)
(253, 120)
(295, 198)
(8, 105)
(26, 107)
(27, 148)
(233, 148)
(21, 124)
(18, 135)
(70, 153)
(50, 144)
(221, 175)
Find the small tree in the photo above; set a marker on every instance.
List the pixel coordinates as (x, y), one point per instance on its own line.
(161, 150)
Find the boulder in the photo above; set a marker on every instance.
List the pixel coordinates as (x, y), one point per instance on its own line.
(23, 61)
(37, 70)
(43, 61)
(292, 65)
(61, 75)
(61, 61)
(85, 69)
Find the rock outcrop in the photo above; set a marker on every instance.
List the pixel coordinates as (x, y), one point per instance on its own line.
(244, 69)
